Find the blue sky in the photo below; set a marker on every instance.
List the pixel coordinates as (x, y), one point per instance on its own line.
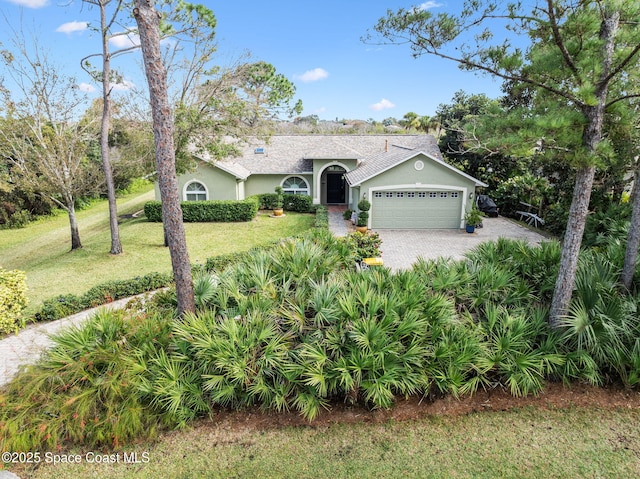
(316, 44)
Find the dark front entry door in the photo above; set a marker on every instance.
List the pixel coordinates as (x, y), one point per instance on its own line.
(336, 188)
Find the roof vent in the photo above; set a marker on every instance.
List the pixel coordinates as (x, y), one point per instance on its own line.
(259, 151)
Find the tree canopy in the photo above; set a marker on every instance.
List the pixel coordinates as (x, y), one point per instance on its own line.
(574, 56)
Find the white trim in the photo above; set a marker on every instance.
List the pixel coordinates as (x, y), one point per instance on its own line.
(240, 190)
(297, 176)
(317, 190)
(419, 187)
(190, 182)
(440, 162)
(226, 169)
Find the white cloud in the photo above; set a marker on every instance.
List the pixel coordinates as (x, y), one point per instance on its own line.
(31, 3)
(86, 88)
(312, 75)
(428, 5)
(383, 104)
(72, 27)
(322, 109)
(125, 40)
(124, 86)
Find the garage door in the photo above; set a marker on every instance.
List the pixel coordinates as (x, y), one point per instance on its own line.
(416, 209)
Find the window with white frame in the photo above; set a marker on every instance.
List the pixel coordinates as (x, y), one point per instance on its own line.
(295, 185)
(195, 191)
(377, 194)
(454, 194)
(443, 194)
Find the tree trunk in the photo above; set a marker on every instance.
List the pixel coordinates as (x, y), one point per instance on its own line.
(116, 245)
(584, 179)
(73, 224)
(633, 239)
(571, 245)
(148, 26)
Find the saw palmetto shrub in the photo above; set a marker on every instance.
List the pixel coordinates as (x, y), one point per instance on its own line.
(602, 327)
(296, 327)
(85, 390)
(536, 265)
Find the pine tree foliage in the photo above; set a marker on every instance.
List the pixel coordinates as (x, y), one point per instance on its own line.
(576, 56)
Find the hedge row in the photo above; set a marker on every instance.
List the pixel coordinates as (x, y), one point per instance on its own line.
(322, 217)
(225, 211)
(298, 203)
(68, 304)
(13, 299)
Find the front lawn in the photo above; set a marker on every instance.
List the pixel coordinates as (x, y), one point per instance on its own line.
(529, 443)
(42, 248)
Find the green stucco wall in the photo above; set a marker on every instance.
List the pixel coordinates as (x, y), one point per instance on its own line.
(220, 185)
(257, 184)
(406, 176)
(410, 212)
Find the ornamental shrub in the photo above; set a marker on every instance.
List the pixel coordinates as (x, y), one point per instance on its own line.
(298, 203)
(364, 245)
(279, 203)
(363, 216)
(59, 307)
(68, 304)
(222, 211)
(13, 299)
(118, 289)
(153, 211)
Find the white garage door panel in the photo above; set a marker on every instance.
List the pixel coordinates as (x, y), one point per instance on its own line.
(416, 209)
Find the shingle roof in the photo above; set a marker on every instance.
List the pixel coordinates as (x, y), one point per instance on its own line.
(291, 154)
(384, 161)
(294, 154)
(234, 169)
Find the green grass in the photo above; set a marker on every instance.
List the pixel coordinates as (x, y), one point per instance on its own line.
(528, 443)
(42, 249)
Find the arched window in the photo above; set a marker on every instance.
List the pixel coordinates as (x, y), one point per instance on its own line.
(295, 185)
(195, 191)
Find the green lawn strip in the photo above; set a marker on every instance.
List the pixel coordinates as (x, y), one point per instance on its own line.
(528, 443)
(42, 248)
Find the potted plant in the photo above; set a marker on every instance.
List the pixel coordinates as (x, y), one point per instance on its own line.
(278, 202)
(473, 218)
(363, 215)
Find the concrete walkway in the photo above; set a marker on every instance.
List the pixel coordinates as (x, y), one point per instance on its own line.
(26, 346)
(337, 224)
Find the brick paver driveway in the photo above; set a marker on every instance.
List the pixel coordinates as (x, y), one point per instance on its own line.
(400, 248)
